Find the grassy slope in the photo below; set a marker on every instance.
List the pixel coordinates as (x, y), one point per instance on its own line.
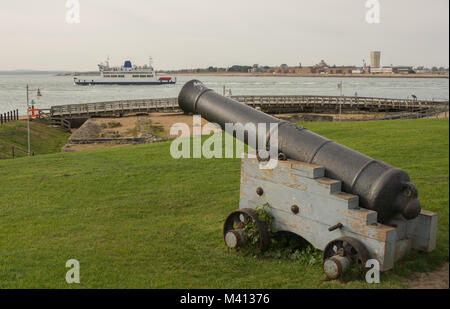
(44, 139)
(135, 218)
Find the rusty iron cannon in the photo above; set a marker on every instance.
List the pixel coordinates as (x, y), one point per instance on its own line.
(345, 203)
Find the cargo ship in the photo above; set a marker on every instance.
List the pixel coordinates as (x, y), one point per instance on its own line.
(128, 74)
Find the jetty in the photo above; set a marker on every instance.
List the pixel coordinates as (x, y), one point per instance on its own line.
(270, 104)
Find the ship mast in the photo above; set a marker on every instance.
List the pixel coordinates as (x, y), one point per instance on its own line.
(150, 62)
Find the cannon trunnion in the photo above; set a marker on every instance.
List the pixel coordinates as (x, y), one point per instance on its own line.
(349, 205)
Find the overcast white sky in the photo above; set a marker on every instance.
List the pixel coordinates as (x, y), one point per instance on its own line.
(199, 33)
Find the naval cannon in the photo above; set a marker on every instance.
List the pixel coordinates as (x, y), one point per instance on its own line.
(345, 203)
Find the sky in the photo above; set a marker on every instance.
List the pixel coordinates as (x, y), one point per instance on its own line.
(200, 33)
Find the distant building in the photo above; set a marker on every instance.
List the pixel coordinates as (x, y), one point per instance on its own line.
(322, 64)
(403, 70)
(422, 70)
(255, 69)
(340, 70)
(305, 70)
(375, 57)
(383, 70)
(282, 69)
(391, 70)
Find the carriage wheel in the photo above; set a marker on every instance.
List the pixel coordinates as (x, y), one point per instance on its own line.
(233, 229)
(340, 253)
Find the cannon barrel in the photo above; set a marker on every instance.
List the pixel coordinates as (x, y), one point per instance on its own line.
(380, 186)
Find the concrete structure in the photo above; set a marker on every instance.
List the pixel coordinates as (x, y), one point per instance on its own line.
(375, 57)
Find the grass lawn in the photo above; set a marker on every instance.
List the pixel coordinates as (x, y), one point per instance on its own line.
(44, 139)
(136, 218)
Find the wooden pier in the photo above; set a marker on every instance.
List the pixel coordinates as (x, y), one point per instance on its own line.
(269, 104)
(104, 109)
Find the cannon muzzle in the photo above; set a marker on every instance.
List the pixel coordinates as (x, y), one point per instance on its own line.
(380, 186)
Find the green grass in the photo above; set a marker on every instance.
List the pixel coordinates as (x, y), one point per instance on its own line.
(44, 139)
(136, 218)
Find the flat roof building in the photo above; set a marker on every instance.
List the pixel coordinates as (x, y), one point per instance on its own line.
(375, 57)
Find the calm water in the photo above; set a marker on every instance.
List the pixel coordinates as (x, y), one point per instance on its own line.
(58, 90)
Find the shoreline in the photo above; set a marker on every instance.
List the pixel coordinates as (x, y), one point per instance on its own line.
(235, 74)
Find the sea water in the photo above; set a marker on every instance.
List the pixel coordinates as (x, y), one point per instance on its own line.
(59, 90)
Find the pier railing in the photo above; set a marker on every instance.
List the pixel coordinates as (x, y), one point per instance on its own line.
(337, 100)
(115, 107)
(271, 104)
